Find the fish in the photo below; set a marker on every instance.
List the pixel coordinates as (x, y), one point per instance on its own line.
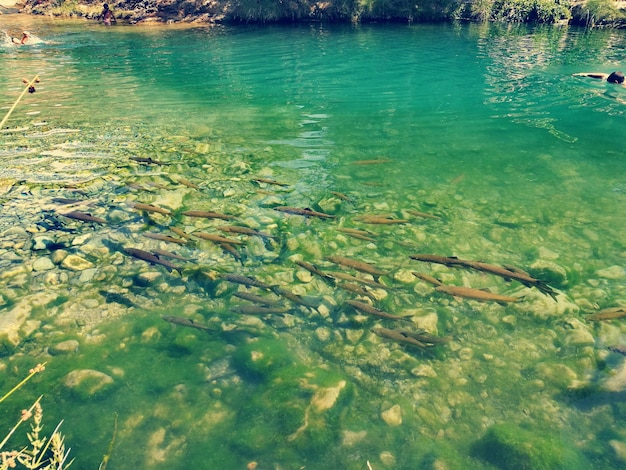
(244, 280)
(208, 215)
(427, 278)
(147, 160)
(309, 302)
(376, 161)
(187, 183)
(400, 337)
(164, 238)
(151, 258)
(381, 220)
(476, 294)
(269, 181)
(245, 231)
(84, 217)
(212, 237)
(358, 265)
(257, 299)
(228, 248)
(506, 273)
(425, 337)
(360, 280)
(315, 270)
(607, 314)
(188, 322)
(342, 196)
(359, 234)
(356, 289)
(169, 254)
(425, 215)
(258, 310)
(149, 208)
(304, 212)
(180, 232)
(371, 310)
(619, 349)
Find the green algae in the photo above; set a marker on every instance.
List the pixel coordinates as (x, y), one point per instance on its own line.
(511, 447)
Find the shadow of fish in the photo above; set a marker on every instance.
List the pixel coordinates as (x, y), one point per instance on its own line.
(187, 322)
(113, 297)
(258, 310)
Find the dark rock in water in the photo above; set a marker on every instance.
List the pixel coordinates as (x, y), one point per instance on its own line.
(510, 447)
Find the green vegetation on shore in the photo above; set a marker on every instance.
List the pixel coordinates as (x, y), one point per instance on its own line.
(586, 12)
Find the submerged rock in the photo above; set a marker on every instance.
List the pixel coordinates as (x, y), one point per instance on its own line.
(86, 383)
(508, 446)
(392, 416)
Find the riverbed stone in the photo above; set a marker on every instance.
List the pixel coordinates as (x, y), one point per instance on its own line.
(43, 263)
(85, 383)
(612, 272)
(509, 446)
(392, 416)
(64, 347)
(76, 263)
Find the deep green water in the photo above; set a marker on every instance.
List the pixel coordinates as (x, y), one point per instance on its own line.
(480, 125)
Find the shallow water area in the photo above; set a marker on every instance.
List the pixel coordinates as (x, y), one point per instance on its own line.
(347, 148)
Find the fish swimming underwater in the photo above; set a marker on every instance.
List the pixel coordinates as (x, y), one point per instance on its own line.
(186, 322)
(151, 258)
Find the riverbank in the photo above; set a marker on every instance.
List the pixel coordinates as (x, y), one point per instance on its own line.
(603, 13)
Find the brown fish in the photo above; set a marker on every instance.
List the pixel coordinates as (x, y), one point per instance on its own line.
(378, 220)
(148, 208)
(476, 294)
(315, 270)
(342, 196)
(245, 231)
(309, 302)
(399, 337)
(304, 212)
(359, 234)
(169, 254)
(269, 181)
(84, 217)
(360, 280)
(356, 289)
(507, 274)
(151, 258)
(618, 348)
(424, 215)
(257, 310)
(245, 280)
(188, 322)
(180, 232)
(212, 237)
(370, 310)
(358, 265)
(607, 314)
(164, 238)
(208, 215)
(186, 182)
(427, 278)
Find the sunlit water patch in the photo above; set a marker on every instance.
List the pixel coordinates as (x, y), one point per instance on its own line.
(191, 214)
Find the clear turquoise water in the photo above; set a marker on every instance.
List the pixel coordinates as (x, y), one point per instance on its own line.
(482, 125)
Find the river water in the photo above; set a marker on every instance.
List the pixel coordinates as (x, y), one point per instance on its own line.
(476, 141)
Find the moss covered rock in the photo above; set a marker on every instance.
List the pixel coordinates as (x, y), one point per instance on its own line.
(511, 447)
